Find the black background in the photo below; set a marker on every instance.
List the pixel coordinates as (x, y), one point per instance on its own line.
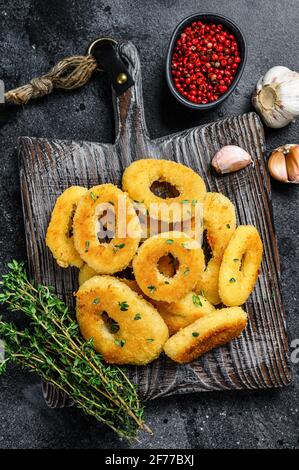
(33, 36)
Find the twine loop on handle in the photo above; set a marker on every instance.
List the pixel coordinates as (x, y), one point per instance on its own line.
(68, 74)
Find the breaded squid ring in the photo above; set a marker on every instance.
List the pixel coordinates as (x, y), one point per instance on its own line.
(106, 257)
(240, 266)
(59, 237)
(178, 315)
(209, 332)
(139, 177)
(156, 285)
(125, 328)
(219, 223)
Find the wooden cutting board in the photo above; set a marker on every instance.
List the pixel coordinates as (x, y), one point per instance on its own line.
(259, 359)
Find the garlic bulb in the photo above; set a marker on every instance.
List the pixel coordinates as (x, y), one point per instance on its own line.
(230, 158)
(276, 97)
(283, 163)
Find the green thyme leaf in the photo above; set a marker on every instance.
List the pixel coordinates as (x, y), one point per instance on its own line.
(93, 197)
(228, 225)
(96, 301)
(195, 334)
(169, 241)
(151, 289)
(124, 306)
(120, 246)
(187, 271)
(120, 342)
(137, 316)
(196, 300)
(150, 340)
(87, 243)
(232, 279)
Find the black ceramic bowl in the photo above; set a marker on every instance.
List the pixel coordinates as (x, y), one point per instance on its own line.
(207, 18)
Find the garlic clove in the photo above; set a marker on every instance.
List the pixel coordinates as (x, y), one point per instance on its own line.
(276, 97)
(292, 164)
(277, 166)
(230, 158)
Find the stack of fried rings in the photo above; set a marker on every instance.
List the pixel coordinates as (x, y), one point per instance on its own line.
(176, 283)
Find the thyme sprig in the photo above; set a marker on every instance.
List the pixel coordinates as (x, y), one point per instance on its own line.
(53, 348)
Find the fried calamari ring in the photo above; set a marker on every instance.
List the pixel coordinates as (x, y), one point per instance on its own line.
(219, 223)
(210, 331)
(106, 204)
(156, 285)
(240, 265)
(59, 237)
(178, 315)
(125, 328)
(138, 180)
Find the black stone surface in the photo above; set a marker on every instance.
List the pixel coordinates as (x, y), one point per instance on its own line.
(33, 36)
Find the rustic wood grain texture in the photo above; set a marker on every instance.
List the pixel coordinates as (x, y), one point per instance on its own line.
(259, 359)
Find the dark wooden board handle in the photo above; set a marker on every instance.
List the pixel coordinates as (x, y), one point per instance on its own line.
(129, 109)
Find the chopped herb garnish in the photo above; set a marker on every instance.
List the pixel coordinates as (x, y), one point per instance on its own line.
(93, 197)
(196, 300)
(166, 282)
(194, 202)
(232, 279)
(120, 342)
(150, 340)
(228, 226)
(151, 289)
(236, 259)
(137, 316)
(185, 201)
(195, 334)
(87, 243)
(96, 301)
(186, 272)
(202, 293)
(120, 246)
(169, 241)
(124, 306)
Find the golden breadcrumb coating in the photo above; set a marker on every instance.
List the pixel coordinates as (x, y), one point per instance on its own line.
(141, 174)
(178, 315)
(219, 223)
(156, 285)
(240, 265)
(209, 332)
(59, 237)
(126, 329)
(106, 256)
